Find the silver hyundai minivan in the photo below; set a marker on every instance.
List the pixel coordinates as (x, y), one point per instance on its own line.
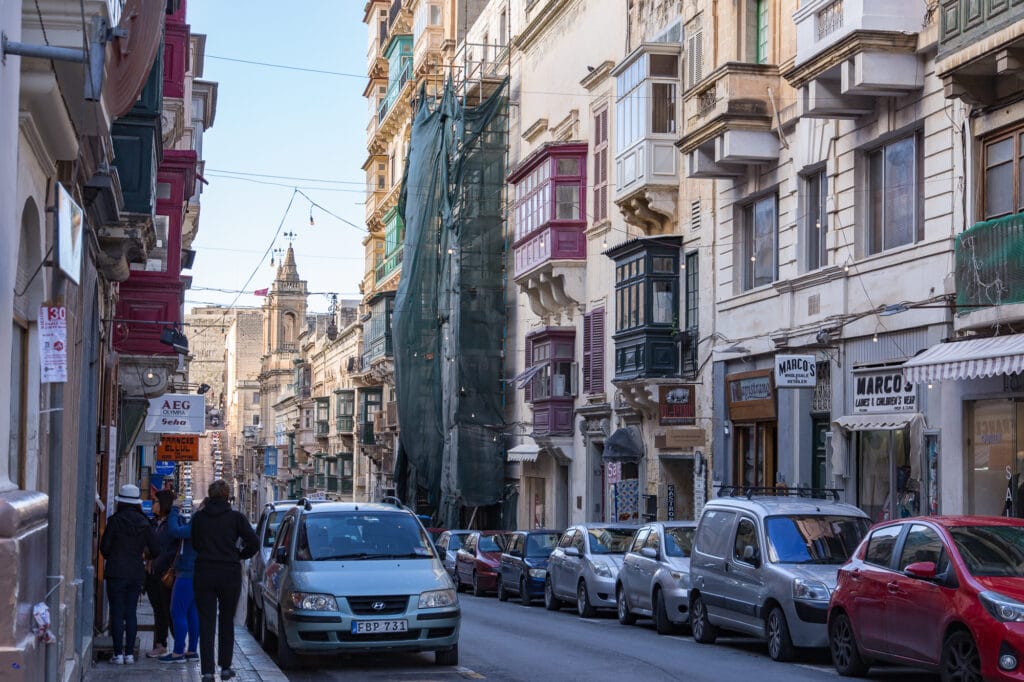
(764, 563)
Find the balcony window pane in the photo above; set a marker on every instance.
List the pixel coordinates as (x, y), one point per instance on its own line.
(662, 296)
(568, 198)
(759, 243)
(816, 226)
(663, 108)
(999, 190)
(664, 65)
(568, 166)
(561, 380)
(877, 181)
(900, 169)
(663, 265)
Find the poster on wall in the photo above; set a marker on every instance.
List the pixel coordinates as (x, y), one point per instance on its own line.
(677, 404)
(53, 344)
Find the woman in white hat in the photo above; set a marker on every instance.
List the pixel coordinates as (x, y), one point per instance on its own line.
(126, 536)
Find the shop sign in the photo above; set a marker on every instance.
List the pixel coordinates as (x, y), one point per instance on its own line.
(164, 468)
(69, 235)
(677, 404)
(53, 344)
(681, 439)
(670, 499)
(886, 391)
(795, 371)
(751, 395)
(178, 448)
(176, 413)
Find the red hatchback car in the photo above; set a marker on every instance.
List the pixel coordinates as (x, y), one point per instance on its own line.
(477, 561)
(941, 592)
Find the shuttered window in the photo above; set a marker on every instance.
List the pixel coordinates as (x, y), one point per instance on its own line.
(601, 165)
(593, 351)
(528, 389)
(695, 52)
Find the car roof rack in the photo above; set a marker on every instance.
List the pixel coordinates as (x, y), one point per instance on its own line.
(304, 503)
(392, 500)
(778, 491)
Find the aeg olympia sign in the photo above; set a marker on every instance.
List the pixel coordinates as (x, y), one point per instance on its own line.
(176, 413)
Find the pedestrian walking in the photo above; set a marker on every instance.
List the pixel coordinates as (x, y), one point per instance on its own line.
(184, 613)
(217, 579)
(127, 536)
(158, 592)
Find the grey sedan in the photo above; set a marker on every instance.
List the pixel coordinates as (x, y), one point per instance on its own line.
(585, 565)
(654, 579)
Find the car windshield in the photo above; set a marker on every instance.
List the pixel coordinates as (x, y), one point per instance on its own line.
(609, 540)
(489, 543)
(678, 541)
(991, 551)
(273, 521)
(813, 539)
(335, 536)
(540, 545)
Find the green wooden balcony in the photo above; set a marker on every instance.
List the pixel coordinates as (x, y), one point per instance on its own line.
(990, 263)
(345, 423)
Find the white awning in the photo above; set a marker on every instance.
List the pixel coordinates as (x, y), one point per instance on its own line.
(526, 451)
(888, 421)
(971, 359)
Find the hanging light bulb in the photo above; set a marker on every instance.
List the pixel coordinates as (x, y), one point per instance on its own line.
(930, 385)
(874, 338)
(311, 221)
(604, 242)
(271, 260)
(846, 267)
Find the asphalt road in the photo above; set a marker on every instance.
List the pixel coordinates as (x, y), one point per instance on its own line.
(511, 642)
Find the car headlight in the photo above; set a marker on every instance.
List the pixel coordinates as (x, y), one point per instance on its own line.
(683, 578)
(812, 590)
(436, 599)
(602, 569)
(311, 601)
(1001, 607)
(538, 573)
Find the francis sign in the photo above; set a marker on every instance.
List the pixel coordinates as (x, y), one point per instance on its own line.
(176, 413)
(795, 371)
(175, 448)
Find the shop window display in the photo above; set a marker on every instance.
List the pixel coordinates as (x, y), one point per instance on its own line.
(889, 481)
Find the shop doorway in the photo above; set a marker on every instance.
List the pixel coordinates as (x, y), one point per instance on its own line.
(536, 501)
(888, 478)
(995, 459)
(819, 433)
(622, 481)
(678, 492)
(754, 454)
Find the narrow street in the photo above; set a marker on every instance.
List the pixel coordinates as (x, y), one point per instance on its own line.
(511, 642)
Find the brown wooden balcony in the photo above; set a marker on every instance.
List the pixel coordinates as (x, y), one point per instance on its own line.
(980, 44)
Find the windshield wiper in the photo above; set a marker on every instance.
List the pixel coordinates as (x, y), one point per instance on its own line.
(372, 555)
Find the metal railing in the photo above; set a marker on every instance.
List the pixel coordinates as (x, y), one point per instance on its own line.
(389, 264)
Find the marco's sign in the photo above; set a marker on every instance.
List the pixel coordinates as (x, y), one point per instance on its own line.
(176, 413)
(885, 391)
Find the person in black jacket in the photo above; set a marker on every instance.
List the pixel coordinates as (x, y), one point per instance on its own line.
(158, 593)
(127, 535)
(217, 580)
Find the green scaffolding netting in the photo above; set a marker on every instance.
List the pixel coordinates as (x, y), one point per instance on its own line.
(989, 260)
(449, 319)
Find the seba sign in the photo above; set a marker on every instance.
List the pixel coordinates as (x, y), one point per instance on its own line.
(176, 413)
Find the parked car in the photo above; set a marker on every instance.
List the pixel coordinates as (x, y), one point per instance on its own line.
(448, 545)
(349, 577)
(654, 580)
(476, 563)
(524, 563)
(266, 531)
(940, 592)
(766, 566)
(584, 566)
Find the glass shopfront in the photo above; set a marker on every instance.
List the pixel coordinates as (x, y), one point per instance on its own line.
(995, 457)
(888, 477)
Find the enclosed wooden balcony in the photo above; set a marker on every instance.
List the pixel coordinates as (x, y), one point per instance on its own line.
(980, 47)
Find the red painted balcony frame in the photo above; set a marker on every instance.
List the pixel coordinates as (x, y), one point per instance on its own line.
(550, 238)
(177, 35)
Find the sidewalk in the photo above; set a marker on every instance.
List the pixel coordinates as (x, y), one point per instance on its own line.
(250, 662)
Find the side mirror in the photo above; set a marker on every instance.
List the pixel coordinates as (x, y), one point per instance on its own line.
(649, 552)
(925, 570)
(281, 555)
(750, 555)
(572, 551)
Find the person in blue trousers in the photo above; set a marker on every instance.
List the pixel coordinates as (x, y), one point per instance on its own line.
(184, 614)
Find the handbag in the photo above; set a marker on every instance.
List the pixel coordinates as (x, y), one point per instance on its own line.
(167, 579)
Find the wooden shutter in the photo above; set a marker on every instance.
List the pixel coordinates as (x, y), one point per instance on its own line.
(695, 52)
(528, 389)
(597, 351)
(588, 361)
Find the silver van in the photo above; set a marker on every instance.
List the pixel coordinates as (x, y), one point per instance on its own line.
(764, 564)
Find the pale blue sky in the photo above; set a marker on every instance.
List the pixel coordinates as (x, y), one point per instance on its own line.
(279, 122)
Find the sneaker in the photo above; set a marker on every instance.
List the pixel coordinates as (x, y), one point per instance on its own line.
(171, 658)
(191, 656)
(157, 651)
(226, 673)
(209, 677)
(129, 659)
(117, 660)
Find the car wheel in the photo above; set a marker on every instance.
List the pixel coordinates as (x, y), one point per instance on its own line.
(477, 590)
(447, 657)
(502, 593)
(524, 594)
(960, 659)
(662, 623)
(584, 609)
(626, 617)
(843, 646)
(551, 602)
(286, 656)
(780, 646)
(703, 631)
